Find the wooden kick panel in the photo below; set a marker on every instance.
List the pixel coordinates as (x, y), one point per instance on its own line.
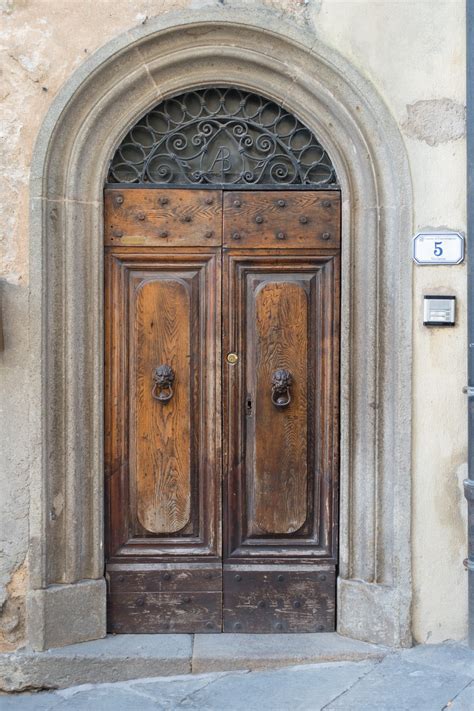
(150, 613)
(279, 599)
(149, 599)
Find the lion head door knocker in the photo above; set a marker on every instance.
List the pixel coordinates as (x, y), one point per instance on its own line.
(163, 379)
(281, 382)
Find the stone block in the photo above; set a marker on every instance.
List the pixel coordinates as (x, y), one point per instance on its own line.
(63, 614)
(226, 652)
(115, 658)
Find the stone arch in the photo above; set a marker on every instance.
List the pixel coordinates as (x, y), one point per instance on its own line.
(85, 124)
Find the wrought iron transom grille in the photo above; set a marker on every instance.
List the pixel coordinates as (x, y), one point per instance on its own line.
(221, 136)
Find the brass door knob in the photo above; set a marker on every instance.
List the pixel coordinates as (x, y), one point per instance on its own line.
(232, 358)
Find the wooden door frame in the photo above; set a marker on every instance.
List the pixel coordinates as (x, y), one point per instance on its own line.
(87, 120)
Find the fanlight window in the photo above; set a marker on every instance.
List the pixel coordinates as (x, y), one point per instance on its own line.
(221, 137)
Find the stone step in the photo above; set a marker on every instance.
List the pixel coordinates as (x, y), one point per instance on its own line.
(125, 657)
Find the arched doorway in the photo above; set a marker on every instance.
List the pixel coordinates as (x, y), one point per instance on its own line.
(87, 121)
(222, 263)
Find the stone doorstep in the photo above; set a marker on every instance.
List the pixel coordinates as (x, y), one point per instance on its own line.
(126, 657)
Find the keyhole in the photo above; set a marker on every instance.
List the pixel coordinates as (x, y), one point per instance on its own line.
(248, 405)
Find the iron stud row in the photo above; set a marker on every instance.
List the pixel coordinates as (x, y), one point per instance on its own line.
(162, 201)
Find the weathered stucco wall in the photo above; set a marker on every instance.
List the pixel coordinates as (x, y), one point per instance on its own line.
(396, 46)
(423, 82)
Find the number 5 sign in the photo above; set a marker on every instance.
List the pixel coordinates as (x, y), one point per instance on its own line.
(438, 248)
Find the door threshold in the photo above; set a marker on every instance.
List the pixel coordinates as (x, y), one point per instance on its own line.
(138, 656)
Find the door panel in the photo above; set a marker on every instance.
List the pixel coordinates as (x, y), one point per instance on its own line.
(277, 338)
(282, 219)
(160, 435)
(163, 218)
(281, 312)
(279, 598)
(149, 613)
(162, 439)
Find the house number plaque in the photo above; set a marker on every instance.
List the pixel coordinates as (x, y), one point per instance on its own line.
(443, 247)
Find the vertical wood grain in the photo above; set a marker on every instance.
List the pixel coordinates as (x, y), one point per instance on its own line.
(160, 325)
(278, 499)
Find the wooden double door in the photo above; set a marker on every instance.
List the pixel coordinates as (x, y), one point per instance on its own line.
(222, 409)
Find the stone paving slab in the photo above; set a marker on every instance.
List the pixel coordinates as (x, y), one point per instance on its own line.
(226, 652)
(29, 702)
(398, 685)
(295, 688)
(464, 701)
(168, 693)
(449, 655)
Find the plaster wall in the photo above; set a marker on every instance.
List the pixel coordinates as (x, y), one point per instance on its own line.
(397, 46)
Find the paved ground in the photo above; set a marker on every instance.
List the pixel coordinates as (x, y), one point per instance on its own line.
(425, 678)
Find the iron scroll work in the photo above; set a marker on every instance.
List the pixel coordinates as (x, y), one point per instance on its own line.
(221, 136)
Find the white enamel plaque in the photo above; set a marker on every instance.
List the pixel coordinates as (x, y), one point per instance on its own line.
(438, 248)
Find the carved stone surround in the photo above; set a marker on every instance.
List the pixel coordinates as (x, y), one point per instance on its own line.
(102, 100)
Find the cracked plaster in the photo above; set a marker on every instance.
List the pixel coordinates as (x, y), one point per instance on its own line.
(435, 121)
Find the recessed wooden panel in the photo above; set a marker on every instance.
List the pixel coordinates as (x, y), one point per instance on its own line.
(160, 328)
(281, 312)
(282, 219)
(277, 337)
(162, 218)
(162, 458)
